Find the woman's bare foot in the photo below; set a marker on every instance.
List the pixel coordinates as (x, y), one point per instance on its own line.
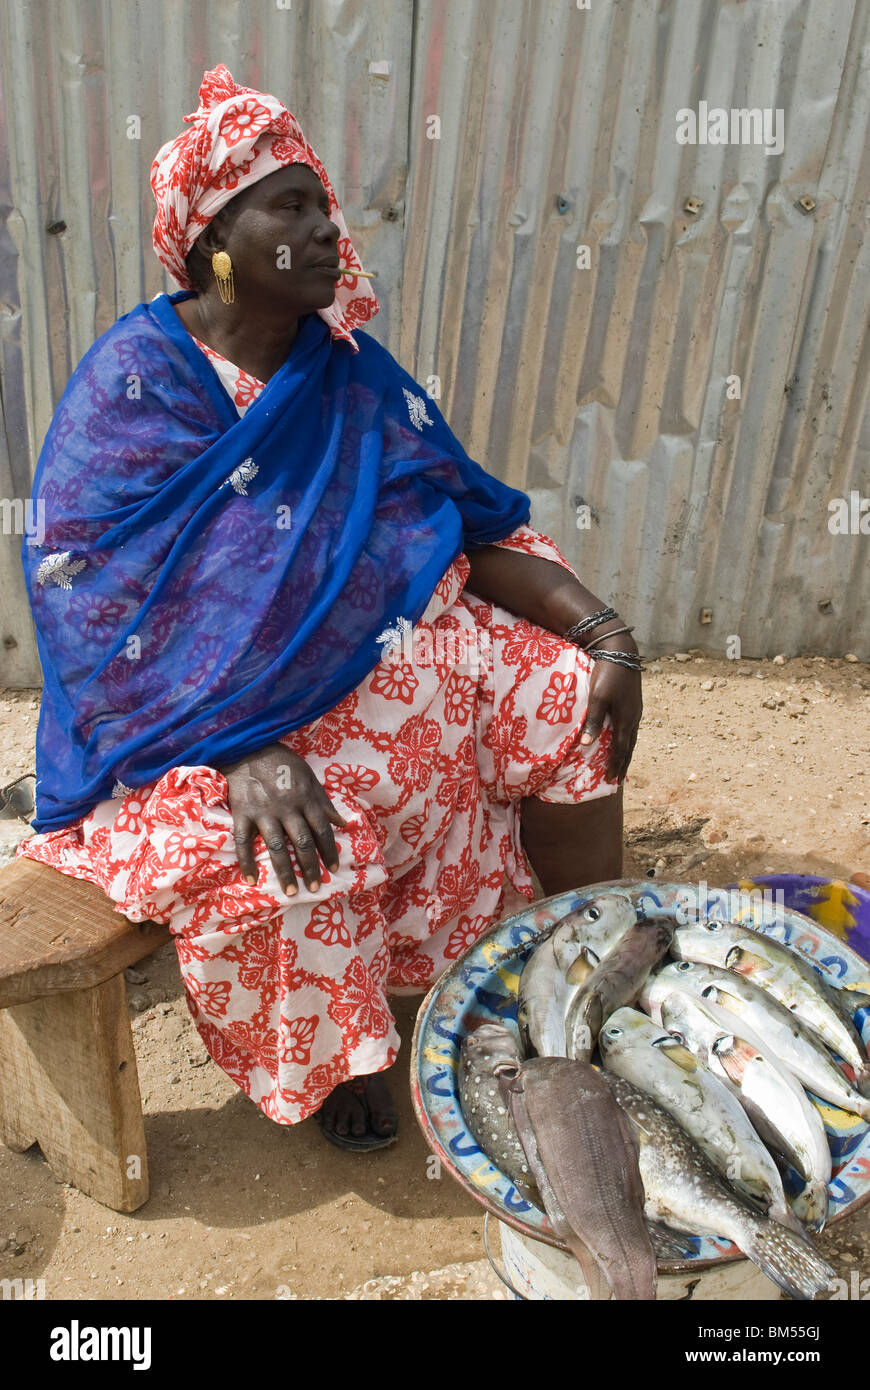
(359, 1108)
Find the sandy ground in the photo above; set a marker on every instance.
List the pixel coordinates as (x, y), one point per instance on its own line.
(740, 768)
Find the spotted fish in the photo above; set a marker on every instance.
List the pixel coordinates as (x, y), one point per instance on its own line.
(683, 1190)
(578, 1149)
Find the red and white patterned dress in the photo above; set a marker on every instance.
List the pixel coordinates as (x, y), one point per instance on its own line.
(427, 760)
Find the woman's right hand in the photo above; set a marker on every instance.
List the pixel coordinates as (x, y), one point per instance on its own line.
(275, 794)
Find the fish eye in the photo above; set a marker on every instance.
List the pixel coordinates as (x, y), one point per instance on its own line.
(613, 1033)
(676, 1036)
(684, 965)
(713, 926)
(592, 913)
(508, 1069)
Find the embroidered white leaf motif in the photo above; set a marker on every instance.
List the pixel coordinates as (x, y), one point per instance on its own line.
(119, 791)
(392, 638)
(241, 475)
(417, 409)
(59, 569)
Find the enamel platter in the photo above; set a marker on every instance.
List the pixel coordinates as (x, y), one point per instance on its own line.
(481, 987)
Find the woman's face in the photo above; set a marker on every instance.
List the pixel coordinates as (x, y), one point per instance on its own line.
(278, 236)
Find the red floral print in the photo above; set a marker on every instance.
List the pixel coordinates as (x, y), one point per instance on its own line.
(558, 700)
(290, 994)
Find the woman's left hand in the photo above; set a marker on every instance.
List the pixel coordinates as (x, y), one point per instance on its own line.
(614, 690)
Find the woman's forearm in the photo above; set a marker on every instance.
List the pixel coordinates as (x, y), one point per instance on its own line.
(537, 589)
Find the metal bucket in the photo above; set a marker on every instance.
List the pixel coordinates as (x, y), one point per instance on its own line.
(541, 1272)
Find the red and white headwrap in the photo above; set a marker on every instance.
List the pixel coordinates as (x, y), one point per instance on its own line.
(236, 137)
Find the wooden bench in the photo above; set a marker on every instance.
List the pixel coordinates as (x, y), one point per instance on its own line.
(68, 1077)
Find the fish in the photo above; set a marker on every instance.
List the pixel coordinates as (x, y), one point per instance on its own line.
(584, 1159)
(789, 1039)
(553, 1127)
(484, 1052)
(647, 1055)
(785, 975)
(559, 965)
(615, 982)
(774, 1100)
(683, 1190)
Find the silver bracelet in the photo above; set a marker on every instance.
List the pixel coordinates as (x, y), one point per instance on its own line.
(614, 632)
(585, 625)
(620, 658)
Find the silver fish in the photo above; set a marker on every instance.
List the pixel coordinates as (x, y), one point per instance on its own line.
(646, 1055)
(774, 1100)
(559, 965)
(787, 976)
(684, 1191)
(796, 1045)
(615, 982)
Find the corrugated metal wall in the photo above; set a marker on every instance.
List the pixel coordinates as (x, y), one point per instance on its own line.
(603, 387)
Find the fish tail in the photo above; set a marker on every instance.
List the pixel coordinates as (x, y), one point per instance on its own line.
(811, 1205)
(792, 1264)
(598, 1286)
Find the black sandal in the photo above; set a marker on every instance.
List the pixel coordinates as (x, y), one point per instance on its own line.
(358, 1143)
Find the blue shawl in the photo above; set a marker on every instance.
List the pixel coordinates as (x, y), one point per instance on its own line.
(206, 583)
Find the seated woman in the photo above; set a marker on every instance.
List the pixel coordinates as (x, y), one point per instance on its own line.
(313, 687)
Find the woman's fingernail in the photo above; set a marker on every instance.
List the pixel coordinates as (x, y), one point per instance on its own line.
(313, 886)
(250, 879)
(334, 866)
(587, 738)
(291, 891)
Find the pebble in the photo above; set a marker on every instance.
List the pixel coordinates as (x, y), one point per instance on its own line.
(682, 656)
(707, 685)
(850, 656)
(779, 660)
(140, 1002)
(134, 976)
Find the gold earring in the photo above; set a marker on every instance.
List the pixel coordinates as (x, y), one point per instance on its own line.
(223, 273)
